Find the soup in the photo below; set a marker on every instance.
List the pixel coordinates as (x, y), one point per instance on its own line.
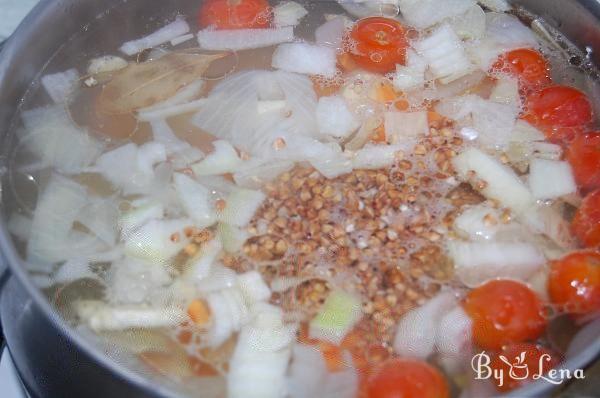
(264, 200)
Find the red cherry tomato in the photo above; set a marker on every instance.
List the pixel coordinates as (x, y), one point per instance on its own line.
(574, 282)
(586, 223)
(524, 361)
(584, 155)
(406, 378)
(532, 69)
(504, 312)
(235, 14)
(560, 111)
(378, 44)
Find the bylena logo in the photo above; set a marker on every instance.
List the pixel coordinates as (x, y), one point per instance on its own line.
(519, 368)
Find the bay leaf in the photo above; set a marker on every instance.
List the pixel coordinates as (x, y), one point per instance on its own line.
(141, 85)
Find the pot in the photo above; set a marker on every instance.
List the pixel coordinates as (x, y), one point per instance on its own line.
(52, 358)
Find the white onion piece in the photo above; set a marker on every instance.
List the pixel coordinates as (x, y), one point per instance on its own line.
(525, 132)
(133, 281)
(501, 182)
(270, 106)
(288, 13)
(305, 58)
(400, 126)
(334, 118)
(425, 13)
(182, 39)
(240, 207)
(476, 263)
(256, 172)
(445, 54)
(20, 226)
(233, 238)
(56, 141)
(201, 265)
(154, 241)
(546, 150)
(416, 332)
(220, 278)
(548, 221)
(100, 217)
(550, 179)
(331, 33)
(243, 39)
(171, 110)
(139, 215)
(453, 335)
(164, 134)
(480, 222)
(56, 211)
(506, 91)
(259, 363)
(223, 160)
(470, 25)
(412, 75)
(102, 317)
(195, 199)
(73, 270)
(253, 287)
(105, 64)
(163, 35)
(60, 85)
(373, 157)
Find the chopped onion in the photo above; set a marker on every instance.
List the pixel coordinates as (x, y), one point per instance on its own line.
(163, 35)
(136, 217)
(412, 75)
(305, 58)
(164, 134)
(506, 91)
(400, 126)
(500, 182)
(256, 172)
(171, 110)
(244, 39)
(331, 33)
(105, 64)
(73, 270)
(425, 13)
(480, 222)
(240, 207)
(525, 132)
(181, 39)
(340, 312)
(445, 54)
(549, 221)
(195, 199)
(253, 287)
(60, 85)
(470, 25)
(133, 281)
(233, 238)
(288, 13)
(476, 263)
(546, 150)
(259, 363)
(334, 118)
(100, 217)
(454, 331)
(223, 160)
(20, 226)
(220, 278)
(270, 106)
(102, 317)
(56, 141)
(417, 329)
(373, 156)
(201, 265)
(154, 241)
(551, 179)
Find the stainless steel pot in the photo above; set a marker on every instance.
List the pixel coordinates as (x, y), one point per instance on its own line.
(55, 361)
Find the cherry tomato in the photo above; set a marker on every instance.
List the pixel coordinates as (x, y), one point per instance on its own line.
(560, 111)
(586, 223)
(524, 361)
(584, 155)
(574, 282)
(406, 378)
(235, 14)
(532, 69)
(504, 312)
(379, 44)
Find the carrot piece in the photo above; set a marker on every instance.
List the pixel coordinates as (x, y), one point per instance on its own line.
(333, 356)
(384, 92)
(346, 63)
(402, 104)
(324, 90)
(433, 117)
(199, 312)
(378, 134)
